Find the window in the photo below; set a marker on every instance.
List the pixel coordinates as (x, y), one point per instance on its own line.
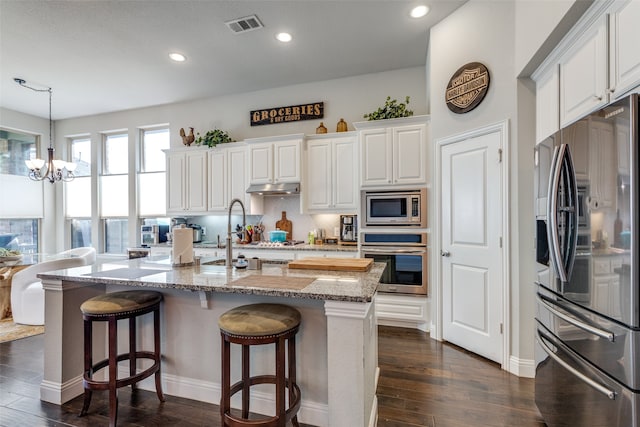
(116, 236)
(152, 176)
(78, 194)
(114, 192)
(15, 148)
(20, 234)
(80, 233)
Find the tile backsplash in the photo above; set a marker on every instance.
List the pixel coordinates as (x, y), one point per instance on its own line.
(273, 207)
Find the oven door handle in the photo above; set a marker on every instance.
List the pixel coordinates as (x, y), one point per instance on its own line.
(599, 387)
(584, 326)
(394, 251)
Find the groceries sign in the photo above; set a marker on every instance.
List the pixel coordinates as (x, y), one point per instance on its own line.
(467, 88)
(292, 113)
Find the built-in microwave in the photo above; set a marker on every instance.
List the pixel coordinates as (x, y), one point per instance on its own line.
(398, 207)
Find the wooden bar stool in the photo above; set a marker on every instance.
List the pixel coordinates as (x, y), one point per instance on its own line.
(259, 324)
(110, 308)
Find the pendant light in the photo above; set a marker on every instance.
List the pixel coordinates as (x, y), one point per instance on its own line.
(56, 170)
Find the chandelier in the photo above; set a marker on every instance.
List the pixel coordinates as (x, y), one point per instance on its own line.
(56, 170)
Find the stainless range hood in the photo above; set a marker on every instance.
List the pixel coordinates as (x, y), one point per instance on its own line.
(275, 189)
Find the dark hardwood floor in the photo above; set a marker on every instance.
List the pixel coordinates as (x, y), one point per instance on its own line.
(422, 383)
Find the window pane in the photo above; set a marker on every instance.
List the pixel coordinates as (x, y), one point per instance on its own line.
(20, 234)
(81, 156)
(114, 195)
(15, 148)
(78, 197)
(80, 233)
(116, 236)
(116, 154)
(152, 195)
(153, 142)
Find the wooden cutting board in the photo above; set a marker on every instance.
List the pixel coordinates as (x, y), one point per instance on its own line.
(333, 264)
(285, 225)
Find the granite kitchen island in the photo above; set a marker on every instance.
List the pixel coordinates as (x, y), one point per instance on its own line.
(336, 345)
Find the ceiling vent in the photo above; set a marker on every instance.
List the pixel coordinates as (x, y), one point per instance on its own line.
(242, 25)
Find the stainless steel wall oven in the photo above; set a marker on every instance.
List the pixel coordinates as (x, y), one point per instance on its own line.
(406, 257)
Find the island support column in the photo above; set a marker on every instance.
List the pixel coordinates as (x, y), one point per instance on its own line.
(63, 340)
(352, 345)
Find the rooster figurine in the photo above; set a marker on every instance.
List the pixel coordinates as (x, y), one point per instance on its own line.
(187, 139)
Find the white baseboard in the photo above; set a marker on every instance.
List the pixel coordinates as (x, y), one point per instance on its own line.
(522, 367)
(60, 393)
(313, 413)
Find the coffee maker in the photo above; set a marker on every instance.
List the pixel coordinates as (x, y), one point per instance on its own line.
(348, 229)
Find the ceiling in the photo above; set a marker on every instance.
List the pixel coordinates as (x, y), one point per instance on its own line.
(102, 56)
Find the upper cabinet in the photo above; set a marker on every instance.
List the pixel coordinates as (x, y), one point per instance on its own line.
(393, 152)
(229, 178)
(583, 74)
(331, 171)
(186, 181)
(624, 53)
(597, 62)
(547, 103)
(275, 160)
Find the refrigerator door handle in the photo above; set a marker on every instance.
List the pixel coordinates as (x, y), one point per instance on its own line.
(597, 386)
(562, 167)
(610, 336)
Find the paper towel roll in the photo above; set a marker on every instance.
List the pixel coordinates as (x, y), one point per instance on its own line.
(182, 252)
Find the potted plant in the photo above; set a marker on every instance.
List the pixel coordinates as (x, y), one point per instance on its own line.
(391, 110)
(213, 138)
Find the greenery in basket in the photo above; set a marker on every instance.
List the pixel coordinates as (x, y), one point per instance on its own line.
(213, 138)
(391, 110)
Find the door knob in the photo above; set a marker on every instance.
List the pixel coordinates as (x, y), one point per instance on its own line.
(445, 253)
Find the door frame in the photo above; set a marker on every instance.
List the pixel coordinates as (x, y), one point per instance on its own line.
(502, 128)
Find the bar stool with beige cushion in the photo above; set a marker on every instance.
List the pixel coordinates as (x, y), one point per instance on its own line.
(259, 324)
(110, 308)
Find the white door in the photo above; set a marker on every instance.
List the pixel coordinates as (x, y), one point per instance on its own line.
(472, 273)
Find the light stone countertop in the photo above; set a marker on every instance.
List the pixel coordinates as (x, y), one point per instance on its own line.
(302, 247)
(157, 272)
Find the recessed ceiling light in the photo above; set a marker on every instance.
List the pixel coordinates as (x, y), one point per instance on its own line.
(419, 11)
(284, 37)
(178, 57)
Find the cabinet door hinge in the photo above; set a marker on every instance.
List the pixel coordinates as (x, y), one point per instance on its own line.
(499, 155)
(500, 242)
(501, 328)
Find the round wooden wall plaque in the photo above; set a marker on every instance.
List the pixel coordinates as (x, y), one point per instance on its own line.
(467, 88)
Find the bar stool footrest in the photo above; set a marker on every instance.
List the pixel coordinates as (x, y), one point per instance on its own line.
(294, 405)
(92, 384)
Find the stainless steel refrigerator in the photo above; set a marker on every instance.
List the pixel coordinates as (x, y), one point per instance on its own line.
(587, 284)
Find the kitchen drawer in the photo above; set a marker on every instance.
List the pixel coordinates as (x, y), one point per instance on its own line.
(601, 265)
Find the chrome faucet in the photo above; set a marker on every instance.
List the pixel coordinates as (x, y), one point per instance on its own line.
(229, 250)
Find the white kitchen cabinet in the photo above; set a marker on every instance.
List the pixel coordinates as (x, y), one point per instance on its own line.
(275, 161)
(394, 154)
(265, 254)
(402, 311)
(606, 289)
(547, 103)
(583, 74)
(624, 54)
(228, 178)
(160, 251)
(186, 181)
(326, 254)
(218, 181)
(331, 174)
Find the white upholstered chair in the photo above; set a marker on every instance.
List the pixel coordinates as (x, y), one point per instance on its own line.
(27, 295)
